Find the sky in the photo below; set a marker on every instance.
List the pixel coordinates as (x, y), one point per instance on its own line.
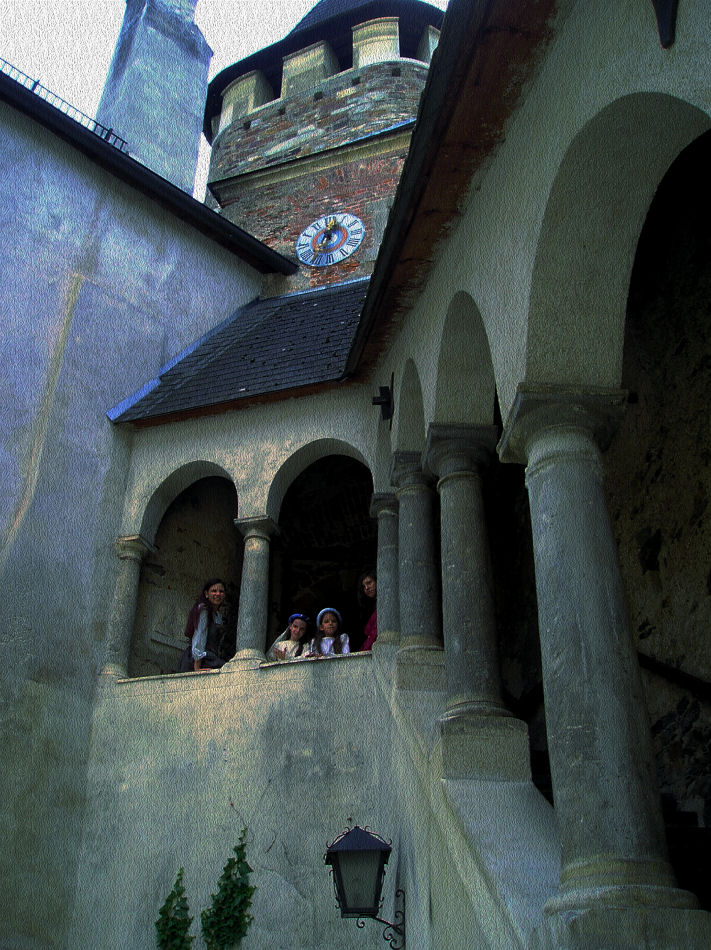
(67, 44)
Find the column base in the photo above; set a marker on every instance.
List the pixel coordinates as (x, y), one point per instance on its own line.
(420, 667)
(624, 928)
(387, 637)
(484, 746)
(112, 672)
(249, 659)
(606, 879)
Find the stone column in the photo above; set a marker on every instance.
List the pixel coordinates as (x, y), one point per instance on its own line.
(612, 836)
(480, 738)
(418, 664)
(384, 507)
(131, 551)
(254, 589)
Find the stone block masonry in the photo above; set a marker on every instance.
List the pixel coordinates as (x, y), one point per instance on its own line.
(342, 109)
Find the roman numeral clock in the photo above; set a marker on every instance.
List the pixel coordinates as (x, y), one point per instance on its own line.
(330, 239)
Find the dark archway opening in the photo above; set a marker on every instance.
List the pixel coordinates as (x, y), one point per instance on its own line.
(511, 542)
(326, 537)
(196, 540)
(659, 488)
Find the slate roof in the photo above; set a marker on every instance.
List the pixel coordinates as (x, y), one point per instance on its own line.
(268, 346)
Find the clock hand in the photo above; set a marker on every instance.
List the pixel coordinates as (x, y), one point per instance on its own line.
(331, 226)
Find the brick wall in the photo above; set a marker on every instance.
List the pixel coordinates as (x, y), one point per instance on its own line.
(293, 160)
(280, 209)
(345, 107)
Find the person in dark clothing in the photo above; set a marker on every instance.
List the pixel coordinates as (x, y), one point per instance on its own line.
(205, 627)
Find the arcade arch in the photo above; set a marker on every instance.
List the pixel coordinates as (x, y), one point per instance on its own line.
(194, 539)
(147, 514)
(589, 233)
(325, 538)
(409, 423)
(659, 470)
(465, 390)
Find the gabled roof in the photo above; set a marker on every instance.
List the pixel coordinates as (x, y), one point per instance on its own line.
(268, 346)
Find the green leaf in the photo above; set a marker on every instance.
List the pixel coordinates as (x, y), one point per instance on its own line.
(174, 919)
(226, 921)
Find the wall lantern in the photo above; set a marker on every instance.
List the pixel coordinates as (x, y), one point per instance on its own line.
(358, 858)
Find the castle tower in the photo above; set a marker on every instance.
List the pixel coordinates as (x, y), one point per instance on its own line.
(310, 134)
(155, 90)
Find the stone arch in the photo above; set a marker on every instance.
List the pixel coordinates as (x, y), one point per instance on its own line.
(168, 491)
(298, 461)
(587, 241)
(325, 537)
(190, 517)
(409, 423)
(465, 388)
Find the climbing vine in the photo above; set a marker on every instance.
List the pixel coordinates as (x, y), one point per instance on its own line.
(174, 919)
(227, 919)
(225, 922)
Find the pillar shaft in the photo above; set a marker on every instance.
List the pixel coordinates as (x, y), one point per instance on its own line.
(612, 835)
(131, 552)
(384, 507)
(468, 613)
(254, 589)
(420, 618)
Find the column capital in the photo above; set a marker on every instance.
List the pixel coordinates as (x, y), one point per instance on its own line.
(259, 527)
(453, 448)
(538, 408)
(383, 501)
(133, 547)
(406, 471)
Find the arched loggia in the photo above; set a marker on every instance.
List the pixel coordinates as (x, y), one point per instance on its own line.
(325, 537)
(195, 539)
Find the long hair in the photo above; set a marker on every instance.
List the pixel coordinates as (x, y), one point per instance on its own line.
(202, 599)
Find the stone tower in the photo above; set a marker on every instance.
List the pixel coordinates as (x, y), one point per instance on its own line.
(310, 134)
(155, 89)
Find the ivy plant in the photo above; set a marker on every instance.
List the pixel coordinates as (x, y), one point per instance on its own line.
(174, 919)
(226, 920)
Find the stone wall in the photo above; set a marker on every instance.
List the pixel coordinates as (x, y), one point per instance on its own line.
(659, 473)
(349, 106)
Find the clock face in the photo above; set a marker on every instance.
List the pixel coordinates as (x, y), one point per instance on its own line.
(330, 239)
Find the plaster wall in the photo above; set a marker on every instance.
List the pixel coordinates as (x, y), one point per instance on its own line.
(250, 446)
(99, 288)
(298, 752)
(181, 764)
(503, 248)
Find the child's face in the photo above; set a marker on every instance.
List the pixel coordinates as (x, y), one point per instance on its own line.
(329, 625)
(297, 628)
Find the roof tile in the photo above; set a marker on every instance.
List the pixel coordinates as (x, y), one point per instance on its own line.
(279, 343)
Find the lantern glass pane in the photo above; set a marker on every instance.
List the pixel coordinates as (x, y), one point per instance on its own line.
(360, 875)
